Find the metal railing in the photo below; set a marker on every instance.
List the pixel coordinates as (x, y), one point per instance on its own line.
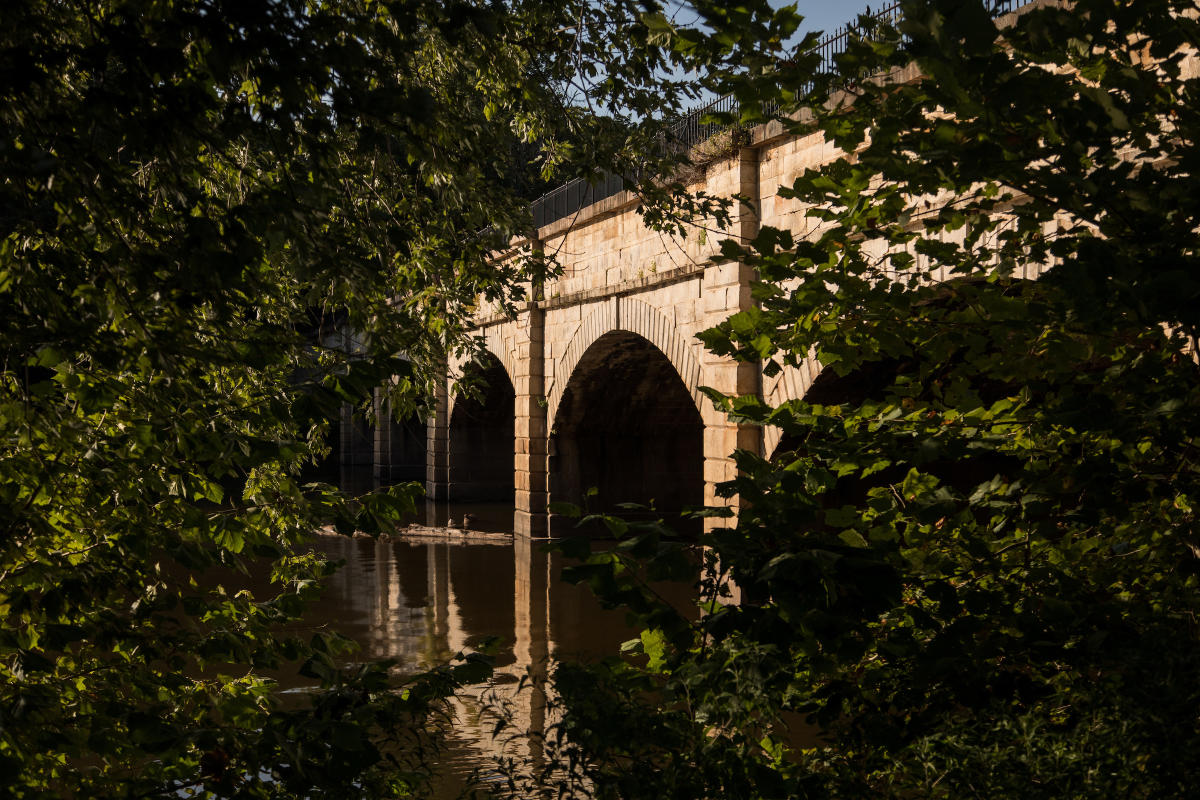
(569, 198)
(690, 130)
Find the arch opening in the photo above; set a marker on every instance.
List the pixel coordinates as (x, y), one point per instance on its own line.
(401, 448)
(370, 448)
(828, 388)
(481, 436)
(355, 450)
(956, 466)
(350, 463)
(627, 427)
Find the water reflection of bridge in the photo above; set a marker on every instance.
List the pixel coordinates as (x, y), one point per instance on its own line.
(422, 603)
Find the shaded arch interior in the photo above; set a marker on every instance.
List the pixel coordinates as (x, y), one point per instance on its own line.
(402, 448)
(628, 427)
(481, 435)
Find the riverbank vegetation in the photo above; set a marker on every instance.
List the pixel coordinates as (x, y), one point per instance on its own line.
(971, 564)
(199, 197)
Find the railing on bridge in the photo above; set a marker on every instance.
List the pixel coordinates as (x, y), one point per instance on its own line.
(690, 130)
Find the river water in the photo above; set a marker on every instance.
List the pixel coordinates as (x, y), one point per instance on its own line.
(422, 601)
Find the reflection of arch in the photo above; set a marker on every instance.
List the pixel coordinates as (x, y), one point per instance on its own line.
(627, 314)
(791, 384)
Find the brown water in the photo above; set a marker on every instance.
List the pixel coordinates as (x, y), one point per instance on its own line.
(423, 602)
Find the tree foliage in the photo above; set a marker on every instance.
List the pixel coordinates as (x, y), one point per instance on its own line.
(192, 193)
(972, 563)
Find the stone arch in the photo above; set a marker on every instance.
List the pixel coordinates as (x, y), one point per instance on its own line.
(480, 436)
(634, 316)
(628, 438)
(792, 383)
(493, 345)
(493, 342)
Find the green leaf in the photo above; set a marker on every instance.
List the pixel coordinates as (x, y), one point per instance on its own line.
(654, 645)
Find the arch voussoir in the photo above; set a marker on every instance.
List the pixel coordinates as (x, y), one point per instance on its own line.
(634, 316)
(495, 346)
(792, 383)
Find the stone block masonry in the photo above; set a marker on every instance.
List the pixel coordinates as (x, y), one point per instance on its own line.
(605, 367)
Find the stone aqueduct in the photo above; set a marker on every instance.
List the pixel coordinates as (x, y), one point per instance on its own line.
(592, 391)
(595, 385)
(596, 382)
(603, 373)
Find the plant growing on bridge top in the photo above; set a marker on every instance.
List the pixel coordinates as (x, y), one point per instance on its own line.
(972, 563)
(193, 193)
